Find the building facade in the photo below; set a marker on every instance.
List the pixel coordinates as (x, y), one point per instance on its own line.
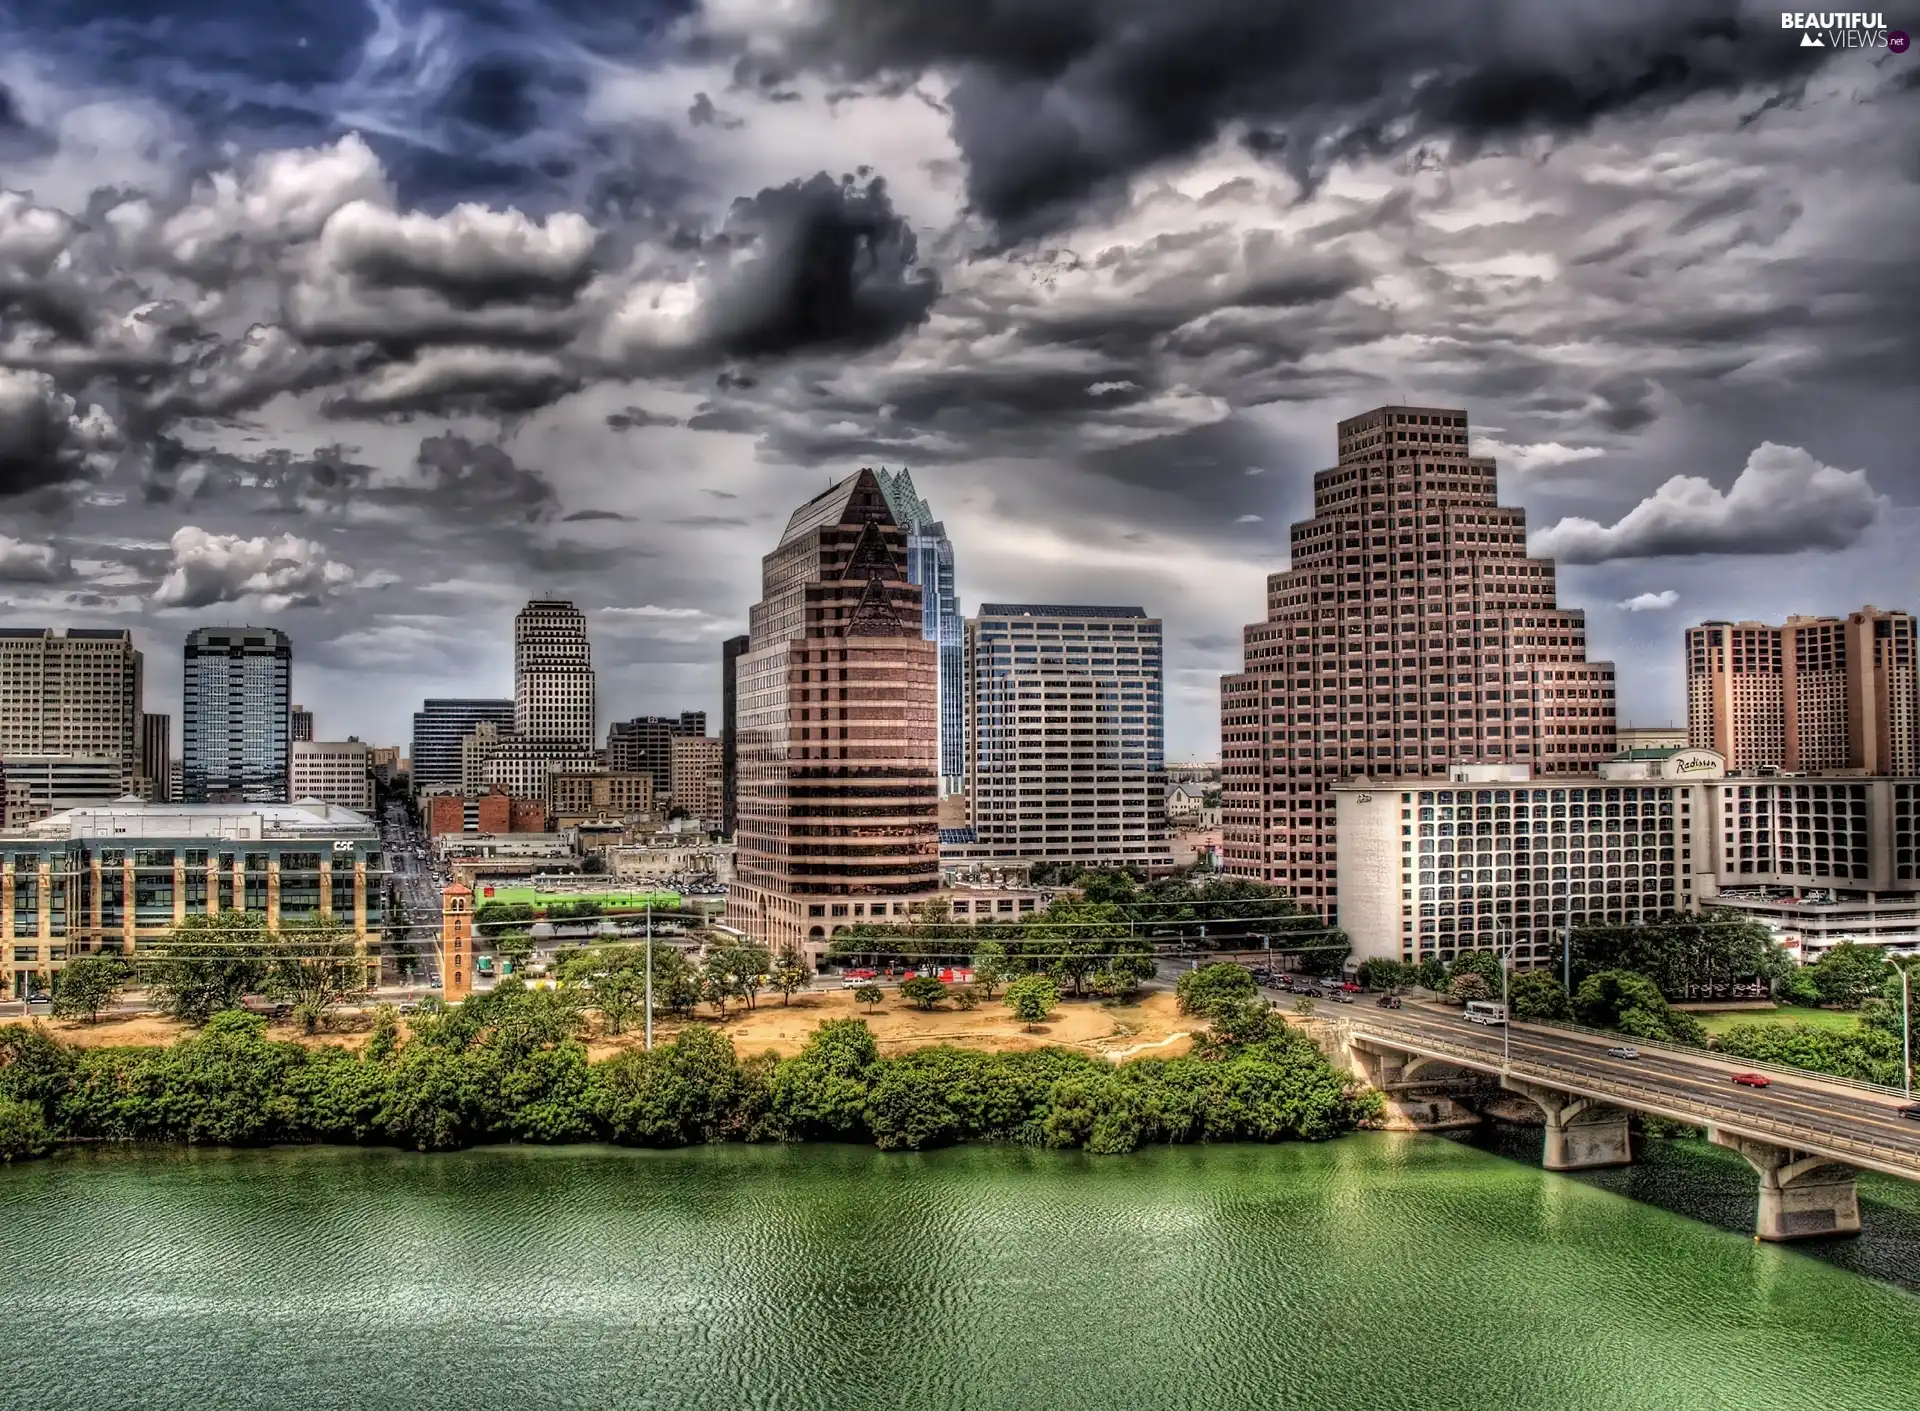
(156, 754)
(839, 788)
(300, 723)
(697, 777)
(235, 715)
(644, 745)
(730, 653)
(1813, 694)
(930, 567)
(332, 771)
(1066, 737)
(1412, 630)
(40, 785)
(77, 692)
(520, 767)
(553, 692)
(600, 793)
(123, 875)
(438, 728)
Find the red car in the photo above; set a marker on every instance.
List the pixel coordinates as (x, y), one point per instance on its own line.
(1752, 1080)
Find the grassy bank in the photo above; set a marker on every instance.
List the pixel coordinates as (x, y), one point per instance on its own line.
(1720, 1021)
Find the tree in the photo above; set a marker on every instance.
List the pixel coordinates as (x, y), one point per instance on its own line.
(1685, 955)
(737, 972)
(1032, 998)
(1467, 986)
(207, 963)
(614, 981)
(514, 945)
(23, 1130)
(1430, 973)
(1304, 1006)
(1484, 963)
(1379, 973)
(1538, 995)
(88, 984)
(923, 991)
(1078, 937)
(964, 996)
(870, 995)
(1199, 992)
(791, 972)
(316, 967)
(1629, 1002)
(1848, 974)
(989, 965)
(1115, 983)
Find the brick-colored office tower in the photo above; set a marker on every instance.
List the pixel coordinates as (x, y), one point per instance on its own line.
(838, 750)
(1410, 632)
(1816, 693)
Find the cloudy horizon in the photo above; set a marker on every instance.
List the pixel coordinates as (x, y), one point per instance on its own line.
(370, 321)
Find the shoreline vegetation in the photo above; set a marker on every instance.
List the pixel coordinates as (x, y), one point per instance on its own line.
(512, 1065)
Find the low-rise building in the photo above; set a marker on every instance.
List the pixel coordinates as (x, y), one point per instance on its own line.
(120, 876)
(39, 785)
(492, 812)
(599, 794)
(332, 771)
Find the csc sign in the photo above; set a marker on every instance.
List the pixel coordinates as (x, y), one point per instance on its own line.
(343, 844)
(1694, 764)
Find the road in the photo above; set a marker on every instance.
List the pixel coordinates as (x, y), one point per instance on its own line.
(410, 864)
(1683, 1084)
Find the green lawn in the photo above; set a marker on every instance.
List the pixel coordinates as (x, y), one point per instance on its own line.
(664, 901)
(1720, 1022)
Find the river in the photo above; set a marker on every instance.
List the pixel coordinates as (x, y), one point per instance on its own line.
(1375, 1273)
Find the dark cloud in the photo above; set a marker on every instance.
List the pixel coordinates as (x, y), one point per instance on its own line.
(45, 440)
(479, 473)
(588, 516)
(634, 418)
(1054, 102)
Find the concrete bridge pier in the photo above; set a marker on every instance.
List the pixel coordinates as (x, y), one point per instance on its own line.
(1801, 1197)
(1581, 1133)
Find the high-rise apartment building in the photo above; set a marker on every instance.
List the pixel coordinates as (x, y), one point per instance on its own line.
(1067, 736)
(156, 750)
(644, 745)
(930, 567)
(235, 726)
(1816, 693)
(332, 771)
(696, 776)
(553, 698)
(1411, 631)
(301, 724)
(839, 789)
(438, 728)
(77, 692)
(731, 651)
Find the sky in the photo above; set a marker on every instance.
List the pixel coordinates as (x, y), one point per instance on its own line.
(370, 319)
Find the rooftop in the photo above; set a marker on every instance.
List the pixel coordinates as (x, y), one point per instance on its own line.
(1056, 610)
(131, 818)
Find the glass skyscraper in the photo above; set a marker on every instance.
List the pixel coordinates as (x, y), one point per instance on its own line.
(236, 715)
(930, 568)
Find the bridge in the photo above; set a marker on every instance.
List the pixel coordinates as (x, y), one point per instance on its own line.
(1806, 1135)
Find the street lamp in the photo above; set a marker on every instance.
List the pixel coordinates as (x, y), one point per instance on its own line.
(1906, 1035)
(1506, 1011)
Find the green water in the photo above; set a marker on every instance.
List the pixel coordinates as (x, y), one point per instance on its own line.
(1373, 1273)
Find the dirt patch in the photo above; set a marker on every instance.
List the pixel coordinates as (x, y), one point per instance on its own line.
(898, 1026)
(153, 1030)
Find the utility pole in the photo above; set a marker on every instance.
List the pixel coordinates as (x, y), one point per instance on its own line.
(1506, 1011)
(1566, 959)
(649, 945)
(1906, 1035)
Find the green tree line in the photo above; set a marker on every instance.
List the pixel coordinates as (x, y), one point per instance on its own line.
(511, 1066)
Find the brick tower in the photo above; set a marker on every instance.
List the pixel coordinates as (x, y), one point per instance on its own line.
(456, 943)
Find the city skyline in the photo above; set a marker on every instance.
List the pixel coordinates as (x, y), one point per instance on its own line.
(303, 383)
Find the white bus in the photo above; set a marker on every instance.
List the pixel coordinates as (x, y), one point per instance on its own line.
(1480, 1011)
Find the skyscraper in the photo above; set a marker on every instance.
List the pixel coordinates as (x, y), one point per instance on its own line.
(156, 749)
(644, 745)
(235, 726)
(1410, 632)
(438, 728)
(731, 651)
(553, 699)
(77, 692)
(838, 741)
(1067, 728)
(930, 568)
(1817, 693)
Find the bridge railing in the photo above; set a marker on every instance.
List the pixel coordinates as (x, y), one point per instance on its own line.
(1830, 1138)
(1784, 1070)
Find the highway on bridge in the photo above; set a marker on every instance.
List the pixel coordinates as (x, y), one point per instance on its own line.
(1855, 1124)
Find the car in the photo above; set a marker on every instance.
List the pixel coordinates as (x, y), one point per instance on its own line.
(1388, 1001)
(1623, 1051)
(1342, 997)
(1753, 1080)
(1911, 1112)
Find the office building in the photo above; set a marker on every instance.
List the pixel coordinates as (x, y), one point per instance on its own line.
(839, 789)
(696, 781)
(156, 754)
(438, 728)
(77, 692)
(475, 746)
(235, 726)
(1067, 745)
(1813, 694)
(332, 771)
(1628, 738)
(301, 724)
(39, 785)
(1410, 632)
(553, 698)
(598, 794)
(930, 567)
(122, 875)
(644, 745)
(521, 767)
(731, 651)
